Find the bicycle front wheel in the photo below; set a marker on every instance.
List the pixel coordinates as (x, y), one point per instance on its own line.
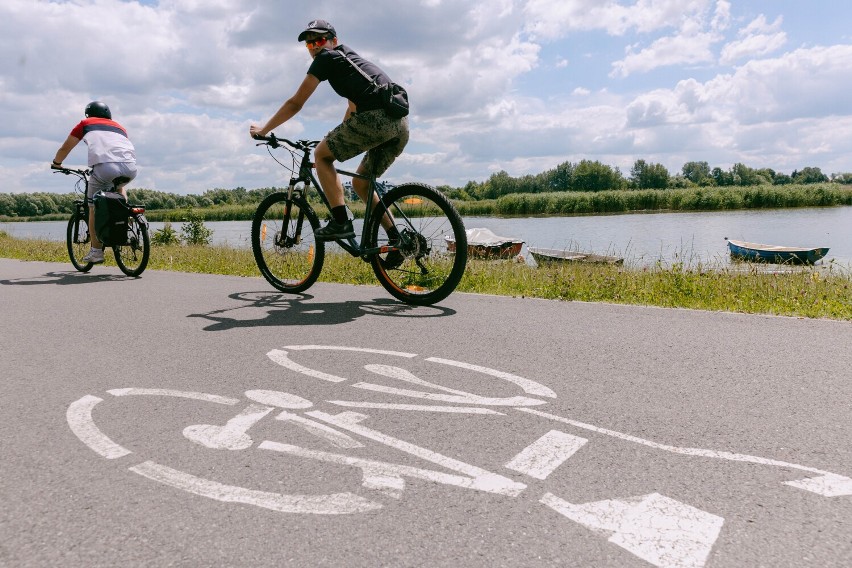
(432, 247)
(132, 258)
(78, 241)
(285, 249)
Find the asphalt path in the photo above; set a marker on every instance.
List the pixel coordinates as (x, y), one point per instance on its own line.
(196, 420)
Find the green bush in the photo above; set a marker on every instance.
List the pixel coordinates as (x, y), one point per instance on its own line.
(165, 236)
(193, 231)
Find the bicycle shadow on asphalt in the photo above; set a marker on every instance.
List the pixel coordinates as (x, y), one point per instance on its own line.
(65, 278)
(295, 309)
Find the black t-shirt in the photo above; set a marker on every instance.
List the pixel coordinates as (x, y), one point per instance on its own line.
(330, 65)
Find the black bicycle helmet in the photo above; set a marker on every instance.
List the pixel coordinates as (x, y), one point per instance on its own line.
(98, 109)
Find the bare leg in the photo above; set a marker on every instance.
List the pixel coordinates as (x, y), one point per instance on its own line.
(327, 174)
(95, 242)
(362, 188)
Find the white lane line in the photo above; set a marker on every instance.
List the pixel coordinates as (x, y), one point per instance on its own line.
(79, 416)
(830, 484)
(341, 348)
(543, 456)
(656, 528)
(480, 479)
(530, 387)
(415, 407)
(175, 393)
(332, 504)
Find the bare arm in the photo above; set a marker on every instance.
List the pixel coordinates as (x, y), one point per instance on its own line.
(290, 107)
(64, 150)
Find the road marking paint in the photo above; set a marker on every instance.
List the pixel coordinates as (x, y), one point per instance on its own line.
(390, 485)
(543, 456)
(530, 387)
(280, 356)
(332, 504)
(341, 348)
(480, 479)
(459, 399)
(656, 528)
(415, 407)
(836, 482)
(278, 399)
(829, 485)
(180, 394)
(79, 416)
(231, 436)
(388, 476)
(334, 437)
(460, 396)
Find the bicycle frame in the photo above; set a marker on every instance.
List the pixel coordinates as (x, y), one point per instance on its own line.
(81, 206)
(307, 177)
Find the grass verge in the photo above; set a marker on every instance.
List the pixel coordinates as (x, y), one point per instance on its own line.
(805, 292)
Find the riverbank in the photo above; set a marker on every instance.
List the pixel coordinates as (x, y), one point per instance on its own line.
(804, 292)
(563, 203)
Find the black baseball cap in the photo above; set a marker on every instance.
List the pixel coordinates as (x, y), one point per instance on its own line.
(318, 27)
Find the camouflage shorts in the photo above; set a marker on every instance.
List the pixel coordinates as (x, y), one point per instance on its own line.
(373, 131)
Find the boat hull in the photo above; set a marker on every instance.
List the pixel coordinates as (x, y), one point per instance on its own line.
(547, 256)
(756, 252)
(483, 243)
(490, 251)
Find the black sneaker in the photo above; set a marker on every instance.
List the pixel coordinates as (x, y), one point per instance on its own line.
(334, 231)
(392, 260)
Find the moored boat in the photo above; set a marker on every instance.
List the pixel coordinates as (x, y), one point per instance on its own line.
(757, 252)
(483, 243)
(546, 256)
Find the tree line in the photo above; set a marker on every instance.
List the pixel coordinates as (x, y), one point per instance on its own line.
(593, 176)
(583, 176)
(40, 204)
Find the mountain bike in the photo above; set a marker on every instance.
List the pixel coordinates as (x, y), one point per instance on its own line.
(417, 268)
(131, 257)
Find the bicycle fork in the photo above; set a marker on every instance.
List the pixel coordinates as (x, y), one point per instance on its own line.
(282, 238)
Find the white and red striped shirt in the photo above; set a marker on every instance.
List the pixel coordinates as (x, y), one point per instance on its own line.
(107, 141)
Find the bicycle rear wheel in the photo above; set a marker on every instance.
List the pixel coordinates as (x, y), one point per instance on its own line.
(78, 241)
(285, 249)
(132, 258)
(424, 270)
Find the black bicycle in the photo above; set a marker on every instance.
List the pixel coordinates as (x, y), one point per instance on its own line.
(131, 256)
(422, 266)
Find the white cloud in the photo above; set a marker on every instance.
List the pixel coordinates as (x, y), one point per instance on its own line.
(693, 43)
(682, 49)
(491, 84)
(758, 39)
(555, 18)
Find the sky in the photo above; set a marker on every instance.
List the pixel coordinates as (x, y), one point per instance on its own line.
(505, 85)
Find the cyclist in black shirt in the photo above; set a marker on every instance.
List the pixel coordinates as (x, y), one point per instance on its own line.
(366, 127)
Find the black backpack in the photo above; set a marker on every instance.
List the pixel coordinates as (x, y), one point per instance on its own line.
(111, 212)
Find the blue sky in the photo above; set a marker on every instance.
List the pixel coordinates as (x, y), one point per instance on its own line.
(514, 85)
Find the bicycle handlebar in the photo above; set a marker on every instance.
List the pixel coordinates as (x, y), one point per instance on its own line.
(69, 171)
(275, 142)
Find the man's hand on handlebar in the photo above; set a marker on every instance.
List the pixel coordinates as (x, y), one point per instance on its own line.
(256, 132)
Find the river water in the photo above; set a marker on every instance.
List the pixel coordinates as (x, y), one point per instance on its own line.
(642, 239)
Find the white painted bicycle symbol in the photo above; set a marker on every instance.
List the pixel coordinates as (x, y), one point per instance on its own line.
(656, 528)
